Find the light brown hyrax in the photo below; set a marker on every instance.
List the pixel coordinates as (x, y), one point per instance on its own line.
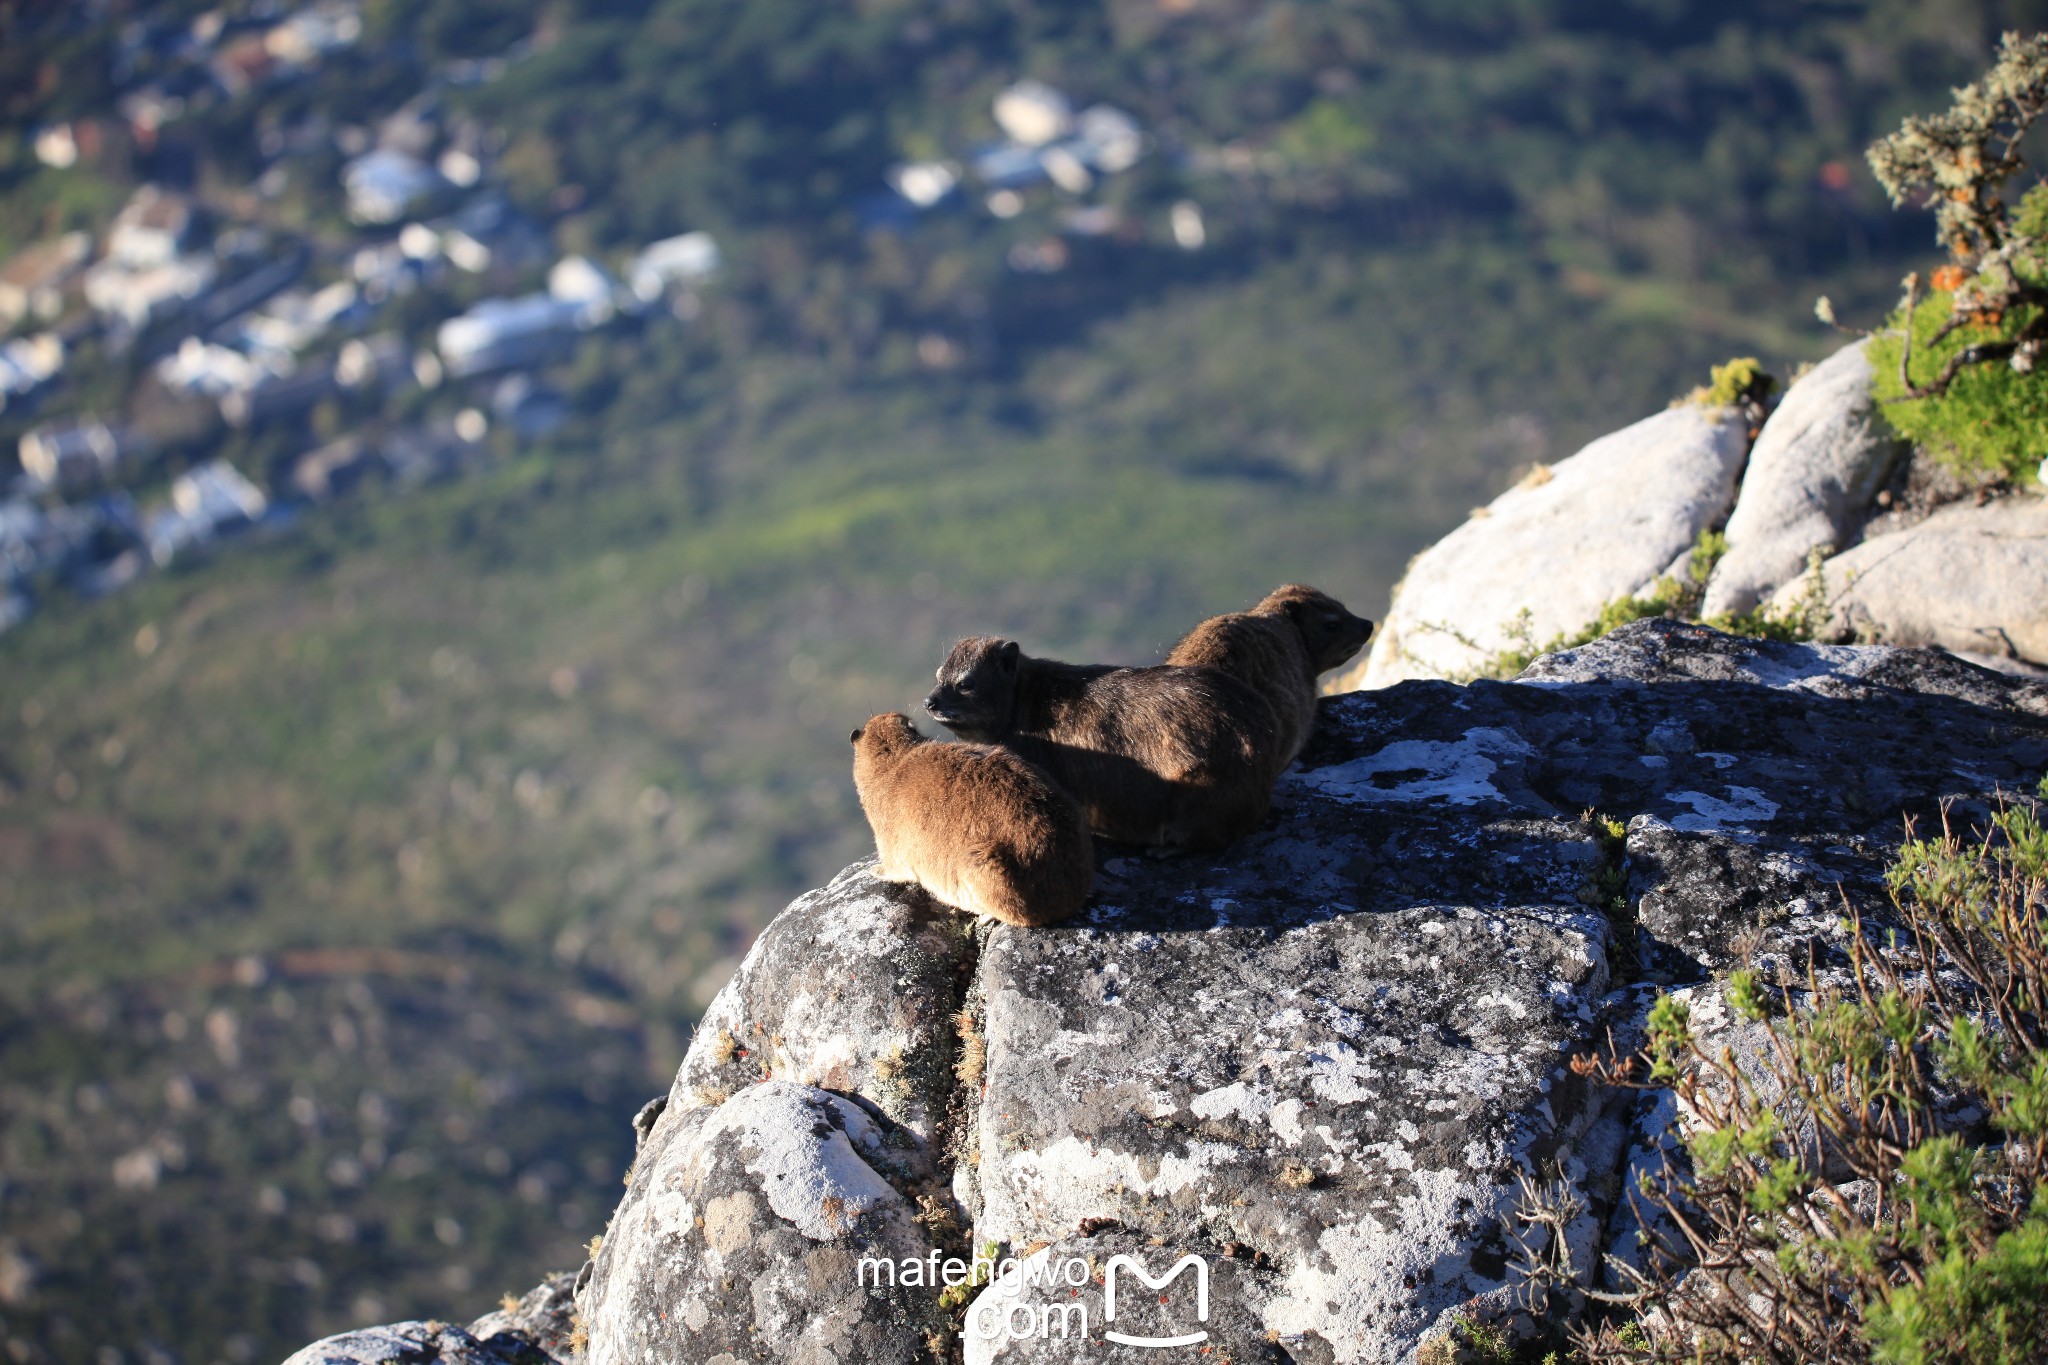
(973, 824)
(1277, 649)
(1166, 757)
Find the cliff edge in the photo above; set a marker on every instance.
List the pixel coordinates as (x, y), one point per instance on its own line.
(1320, 1063)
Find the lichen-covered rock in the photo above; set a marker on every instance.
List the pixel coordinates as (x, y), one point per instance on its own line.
(1343, 1072)
(1604, 524)
(742, 1232)
(1320, 1062)
(1816, 465)
(1968, 578)
(1055, 1308)
(1711, 895)
(852, 988)
(535, 1329)
(543, 1317)
(415, 1343)
(1341, 1043)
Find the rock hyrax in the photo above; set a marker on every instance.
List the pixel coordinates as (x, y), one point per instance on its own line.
(1277, 649)
(973, 824)
(1165, 757)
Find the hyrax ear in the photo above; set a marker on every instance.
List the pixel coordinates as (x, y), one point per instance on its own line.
(1007, 656)
(854, 738)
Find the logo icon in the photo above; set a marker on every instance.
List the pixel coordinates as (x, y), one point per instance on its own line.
(1144, 1277)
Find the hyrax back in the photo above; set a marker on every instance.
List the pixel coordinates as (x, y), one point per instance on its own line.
(1167, 757)
(974, 824)
(1277, 649)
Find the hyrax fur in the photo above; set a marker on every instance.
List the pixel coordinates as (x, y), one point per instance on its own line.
(1165, 757)
(974, 824)
(1277, 649)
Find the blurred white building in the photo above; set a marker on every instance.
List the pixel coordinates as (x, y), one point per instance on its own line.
(924, 183)
(206, 502)
(313, 32)
(28, 363)
(692, 256)
(500, 334)
(151, 229)
(69, 453)
(1107, 139)
(1033, 113)
(577, 280)
(139, 297)
(384, 185)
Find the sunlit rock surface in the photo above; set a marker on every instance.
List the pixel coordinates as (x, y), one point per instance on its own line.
(1817, 463)
(1561, 545)
(1971, 579)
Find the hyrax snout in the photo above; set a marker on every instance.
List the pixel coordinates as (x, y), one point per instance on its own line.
(977, 826)
(1277, 649)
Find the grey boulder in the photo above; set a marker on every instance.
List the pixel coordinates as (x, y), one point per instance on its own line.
(1819, 460)
(741, 1234)
(413, 1343)
(533, 1330)
(1061, 1304)
(1968, 578)
(1603, 524)
(852, 988)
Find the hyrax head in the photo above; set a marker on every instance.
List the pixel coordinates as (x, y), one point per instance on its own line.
(886, 731)
(1330, 631)
(977, 688)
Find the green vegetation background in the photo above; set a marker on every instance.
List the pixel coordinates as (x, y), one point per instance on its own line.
(557, 740)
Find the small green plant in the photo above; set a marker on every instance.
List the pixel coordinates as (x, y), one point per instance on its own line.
(1467, 1341)
(1741, 380)
(1936, 1247)
(953, 1298)
(1805, 618)
(1606, 890)
(1955, 367)
(1670, 596)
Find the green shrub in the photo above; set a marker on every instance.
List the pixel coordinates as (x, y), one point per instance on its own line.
(1937, 1249)
(1989, 420)
(1957, 368)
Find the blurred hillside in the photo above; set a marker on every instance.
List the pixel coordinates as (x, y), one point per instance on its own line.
(370, 865)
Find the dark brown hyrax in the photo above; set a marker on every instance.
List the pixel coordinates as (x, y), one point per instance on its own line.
(973, 824)
(1277, 649)
(1165, 757)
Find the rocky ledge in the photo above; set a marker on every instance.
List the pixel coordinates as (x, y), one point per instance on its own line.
(1910, 551)
(1320, 1063)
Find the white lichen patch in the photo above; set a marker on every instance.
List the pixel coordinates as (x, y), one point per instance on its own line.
(1378, 1281)
(1743, 808)
(816, 1181)
(1457, 773)
(1286, 1121)
(1033, 1195)
(992, 1305)
(1799, 667)
(1236, 1100)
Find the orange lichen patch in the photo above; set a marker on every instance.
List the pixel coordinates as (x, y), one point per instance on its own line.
(1949, 277)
